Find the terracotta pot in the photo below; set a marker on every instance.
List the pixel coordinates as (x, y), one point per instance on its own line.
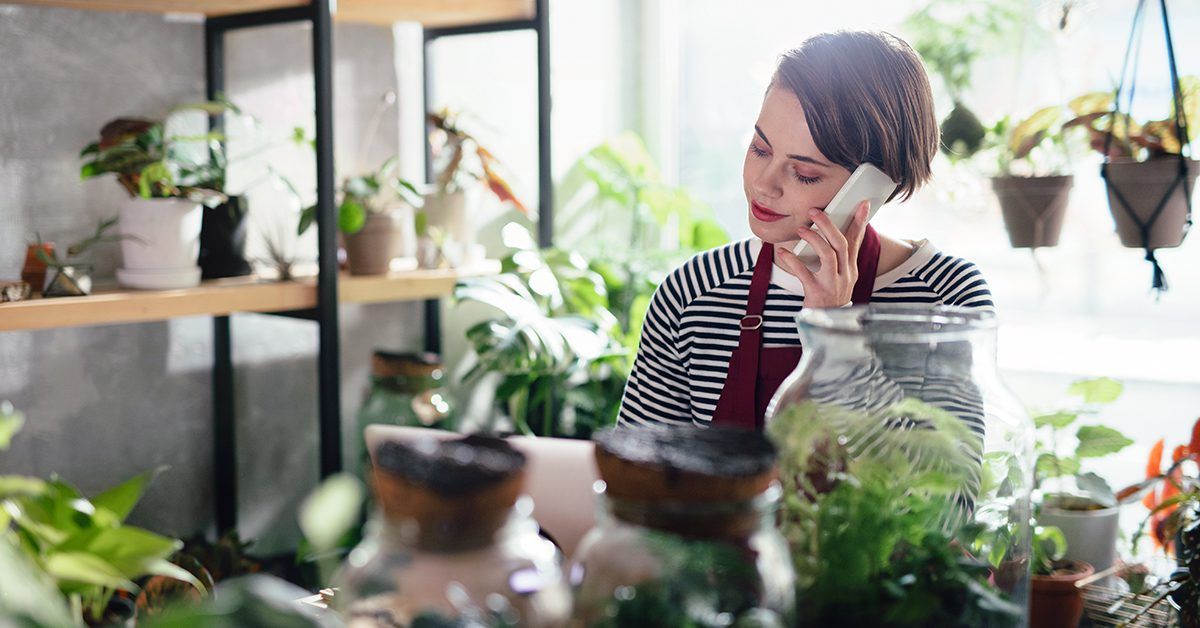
(1143, 185)
(34, 270)
(1055, 601)
(1033, 208)
(223, 240)
(370, 250)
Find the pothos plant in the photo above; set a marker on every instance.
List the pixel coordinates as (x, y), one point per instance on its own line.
(82, 545)
(877, 532)
(1060, 457)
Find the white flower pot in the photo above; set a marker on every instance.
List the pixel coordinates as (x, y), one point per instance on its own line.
(452, 213)
(1091, 534)
(161, 242)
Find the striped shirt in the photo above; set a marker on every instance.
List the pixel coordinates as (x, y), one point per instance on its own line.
(692, 326)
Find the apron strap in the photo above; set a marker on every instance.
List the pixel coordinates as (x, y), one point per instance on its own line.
(742, 379)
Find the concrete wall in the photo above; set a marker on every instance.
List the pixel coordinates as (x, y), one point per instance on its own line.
(104, 403)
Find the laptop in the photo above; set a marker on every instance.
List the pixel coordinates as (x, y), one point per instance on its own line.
(559, 475)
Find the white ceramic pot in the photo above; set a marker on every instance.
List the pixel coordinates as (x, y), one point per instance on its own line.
(161, 238)
(1091, 534)
(452, 214)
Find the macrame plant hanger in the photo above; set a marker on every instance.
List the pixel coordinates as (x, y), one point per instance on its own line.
(1131, 54)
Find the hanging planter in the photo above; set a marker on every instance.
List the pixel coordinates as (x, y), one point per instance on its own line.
(1147, 170)
(1031, 156)
(1153, 193)
(223, 240)
(1033, 208)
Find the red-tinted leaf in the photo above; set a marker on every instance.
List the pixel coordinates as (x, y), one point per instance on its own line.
(1194, 444)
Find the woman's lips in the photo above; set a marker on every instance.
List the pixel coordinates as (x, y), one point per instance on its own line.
(764, 214)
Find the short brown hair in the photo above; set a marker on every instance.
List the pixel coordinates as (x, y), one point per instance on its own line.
(867, 99)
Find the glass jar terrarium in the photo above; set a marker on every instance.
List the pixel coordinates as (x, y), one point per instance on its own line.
(908, 469)
(452, 545)
(686, 533)
(406, 389)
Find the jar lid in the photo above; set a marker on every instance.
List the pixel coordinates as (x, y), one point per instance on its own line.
(392, 364)
(468, 482)
(687, 464)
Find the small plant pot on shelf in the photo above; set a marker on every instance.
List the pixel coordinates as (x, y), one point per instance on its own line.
(1055, 601)
(1091, 530)
(223, 240)
(34, 270)
(1143, 185)
(160, 244)
(69, 280)
(370, 250)
(1033, 208)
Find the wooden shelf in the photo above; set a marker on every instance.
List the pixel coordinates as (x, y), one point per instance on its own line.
(227, 296)
(430, 13)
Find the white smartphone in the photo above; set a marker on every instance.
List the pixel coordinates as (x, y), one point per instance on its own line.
(866, 183)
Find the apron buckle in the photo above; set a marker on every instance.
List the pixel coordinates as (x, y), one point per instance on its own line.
(751, 322)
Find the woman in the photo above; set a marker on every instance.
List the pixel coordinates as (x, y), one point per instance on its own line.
(720, 334)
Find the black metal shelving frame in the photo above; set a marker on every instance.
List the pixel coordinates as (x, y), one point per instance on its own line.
(318, 13)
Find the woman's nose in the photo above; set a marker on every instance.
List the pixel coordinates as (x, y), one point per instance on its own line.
(767, 184)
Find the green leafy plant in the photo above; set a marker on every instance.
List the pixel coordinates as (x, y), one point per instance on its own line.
(873, 516)
(1094, 112)
(615, 193)
(1036, 145)
(151, 163)
(1059, 461)
(50, 257)
(365, 195)
(1049, 547)
(950, 35)
(555, 346)
(83, 544)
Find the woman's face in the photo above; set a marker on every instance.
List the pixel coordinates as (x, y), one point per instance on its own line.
(785, 175)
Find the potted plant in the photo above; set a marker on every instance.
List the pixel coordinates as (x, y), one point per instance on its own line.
(375, 218)
(1145, 160)
(1055, 601)
(1030, 184)
(72, 277)
(164, 175)
(874, 536)
(950, 35)
(462, 163)
(1082, 505)
(1173, 499)
(81, 544)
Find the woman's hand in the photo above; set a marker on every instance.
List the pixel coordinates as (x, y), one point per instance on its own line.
(833, 284)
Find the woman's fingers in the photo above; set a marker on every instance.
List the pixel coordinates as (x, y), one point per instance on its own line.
(796, 267)
(857, 231)
(833, 235)
(825, 252)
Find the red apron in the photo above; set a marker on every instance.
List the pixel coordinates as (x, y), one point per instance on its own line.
(755, 373)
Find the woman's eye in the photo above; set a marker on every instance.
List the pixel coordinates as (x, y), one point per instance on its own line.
(805, 180)
(758, 152)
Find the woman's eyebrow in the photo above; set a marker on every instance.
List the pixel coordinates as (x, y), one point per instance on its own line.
(802, 158)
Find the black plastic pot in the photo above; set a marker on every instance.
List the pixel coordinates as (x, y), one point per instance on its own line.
(223, 240)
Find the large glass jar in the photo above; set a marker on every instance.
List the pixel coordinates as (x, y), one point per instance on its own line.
(896, 421)
(452, 544)
(685, 535)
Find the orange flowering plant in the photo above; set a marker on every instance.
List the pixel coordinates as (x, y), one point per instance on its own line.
(1172, 495)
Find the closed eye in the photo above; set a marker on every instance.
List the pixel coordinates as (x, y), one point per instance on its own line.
(758, 152)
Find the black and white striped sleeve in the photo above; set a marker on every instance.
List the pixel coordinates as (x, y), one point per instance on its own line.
(657, 390)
